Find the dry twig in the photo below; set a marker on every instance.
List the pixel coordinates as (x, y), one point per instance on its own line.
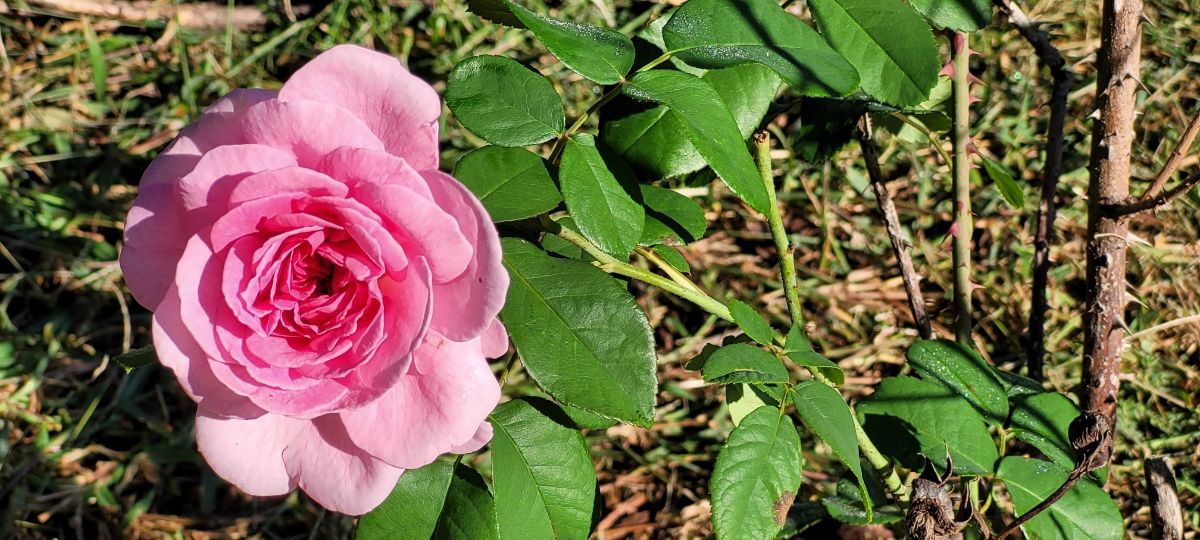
(1181, 151)
(1051, 171)
(912, 280)
(202, 16)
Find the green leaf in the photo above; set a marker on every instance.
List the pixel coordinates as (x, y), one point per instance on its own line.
(888, 42)
(800, 350)
(1009, 188)
(852, 511)
(825, 127)
(750, 321)
(743, 399)
(605, 212)
(504, 102)
(960, 15)
(587, 419)
(580, 333)
(920, 418)
(512, 183)
(1042, 420)
(743, 363)
(96, 58)
(414, 505)
(1017, 385)
(671, 218)
(496, 11)
(826, 414)
(649, 140)
(720, 33)
(964, 372)
(673, 257)
(469, 512)
(1084, 512)
(709, 125)
(541, 472)
(137, 358)
(600, 55)
(756, 476)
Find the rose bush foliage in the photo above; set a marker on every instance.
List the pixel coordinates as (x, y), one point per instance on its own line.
(325, 295)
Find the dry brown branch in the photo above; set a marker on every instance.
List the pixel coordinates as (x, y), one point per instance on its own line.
(1051, 171)
(912, 280)
(1118, 64)
(1125, 209)
(1181, 151)
(1166, 516)
(200, 16)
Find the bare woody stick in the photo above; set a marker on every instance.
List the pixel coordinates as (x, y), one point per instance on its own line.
(1166, 516)
(887, 208)
(1181, 151)
(1118, 64)
(1051, 171)
(189, 15)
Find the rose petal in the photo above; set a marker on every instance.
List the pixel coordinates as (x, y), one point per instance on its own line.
(154, 239)
(357, 166)
(249, 453)
(418, 220)
(306, 129)
(218, 125)
(154, 232)
(286, 180)
(465, 306)
(335, 472)
(481, 437)
(407, 309)
(435, 408)
(401, 109)
(494, 340)
(204, 192)
(175, 348)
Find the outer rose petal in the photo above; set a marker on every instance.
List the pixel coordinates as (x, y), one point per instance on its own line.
(482, 436)
(218, 125)
(204, 192)
(465, 306)
(249, 453)
(182, 355)
(154, 240)
(336, 473)
(435, 408)
(398, 107)
(154, 235)
(494, 340)
(272, 454)
(307, 129)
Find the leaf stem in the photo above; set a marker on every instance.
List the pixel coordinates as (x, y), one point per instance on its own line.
(670, 271)
(960, 54)
(612, 93)
(787, 262)
(883, 467)
(611, 265)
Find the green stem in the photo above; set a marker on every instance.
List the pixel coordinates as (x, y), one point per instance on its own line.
(933, 138)
(962, 189)
(883, 467)
(611, 265)
(608, 96)
(787, 263)
(670, 271)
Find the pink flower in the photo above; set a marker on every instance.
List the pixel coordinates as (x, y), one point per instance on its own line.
(324, 294)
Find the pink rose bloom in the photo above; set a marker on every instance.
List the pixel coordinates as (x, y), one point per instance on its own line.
(324, 294)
